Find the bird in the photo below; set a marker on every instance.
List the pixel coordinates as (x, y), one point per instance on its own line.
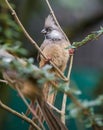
(54, 48)
(30, 88)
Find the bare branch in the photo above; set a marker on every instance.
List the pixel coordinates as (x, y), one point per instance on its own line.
(70, 66)
(32, 41)
(26, 103)
(3, 81)
(28, 120)
(54, 108)
(65, 96)
(63, 108)
(31, 110)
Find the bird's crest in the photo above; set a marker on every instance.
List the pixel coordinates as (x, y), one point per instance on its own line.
(49, 22)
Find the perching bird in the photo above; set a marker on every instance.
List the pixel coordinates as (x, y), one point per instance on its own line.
(54, 48)
(30, 89)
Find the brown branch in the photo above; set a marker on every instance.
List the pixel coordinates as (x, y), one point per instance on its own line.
(65, 96)
(28, 120)
(32, 41)
(70, 66)
(54, 108)
(28, 106)
(63, 108)
(26, 103)
(52, 13)
(3, 81)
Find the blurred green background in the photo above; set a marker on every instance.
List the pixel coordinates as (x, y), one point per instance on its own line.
(77, 18)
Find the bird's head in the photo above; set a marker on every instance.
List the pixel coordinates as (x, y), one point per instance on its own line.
(51, 30)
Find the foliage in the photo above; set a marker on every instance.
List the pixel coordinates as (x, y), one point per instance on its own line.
(90, 37)
(10, 32)
(25, 68)
(91, 106)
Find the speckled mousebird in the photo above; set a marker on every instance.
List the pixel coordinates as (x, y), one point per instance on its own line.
(53, 47)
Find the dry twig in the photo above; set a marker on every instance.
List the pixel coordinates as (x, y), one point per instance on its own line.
(65, 96)
(70, 95)
(28, 106)
(28, 120)
(3, 81)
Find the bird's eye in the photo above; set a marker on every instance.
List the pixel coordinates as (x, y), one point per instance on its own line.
(48, 29)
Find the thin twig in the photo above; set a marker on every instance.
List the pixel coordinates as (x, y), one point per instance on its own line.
(54, 108)
(54, 17)
(70, 66)
(31, 110)
(69, 94)
(3, 81)
(65, 96)
(63, 108)
(32, 41)
(28, 120)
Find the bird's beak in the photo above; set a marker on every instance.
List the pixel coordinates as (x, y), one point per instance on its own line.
(43, 31)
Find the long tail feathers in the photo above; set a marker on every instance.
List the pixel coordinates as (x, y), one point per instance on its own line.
(53, 122)
(49, 95)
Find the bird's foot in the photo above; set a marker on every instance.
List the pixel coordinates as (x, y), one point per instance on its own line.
(71, 51)
(32, 107)
(47, 60)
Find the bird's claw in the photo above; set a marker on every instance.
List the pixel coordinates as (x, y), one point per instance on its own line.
(71, 51)
(47, 60)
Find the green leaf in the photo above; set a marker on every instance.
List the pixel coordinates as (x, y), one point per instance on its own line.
(90, 37)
